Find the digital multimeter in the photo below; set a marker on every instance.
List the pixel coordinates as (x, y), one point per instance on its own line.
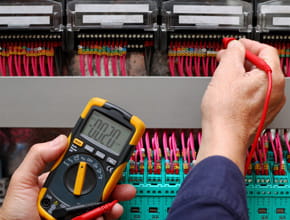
(98, 150)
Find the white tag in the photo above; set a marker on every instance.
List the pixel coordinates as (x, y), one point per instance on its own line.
(210, 20)
(285, 21)
(139, 8)
(24, 20)
(113, 19)
(275, 9)
(207, 9)
(26, 9)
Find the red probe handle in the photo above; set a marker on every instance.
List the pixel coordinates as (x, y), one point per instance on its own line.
(257, 61)
(97, 212)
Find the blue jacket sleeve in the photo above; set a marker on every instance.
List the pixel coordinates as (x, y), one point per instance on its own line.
(214, 189)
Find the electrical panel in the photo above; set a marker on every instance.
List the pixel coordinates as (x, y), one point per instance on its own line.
(114, 45)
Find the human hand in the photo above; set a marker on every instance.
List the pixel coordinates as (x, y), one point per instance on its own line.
(233, 102)
(21, 198)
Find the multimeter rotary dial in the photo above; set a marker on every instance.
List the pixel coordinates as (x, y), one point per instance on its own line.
(82, 174)
(82, 177)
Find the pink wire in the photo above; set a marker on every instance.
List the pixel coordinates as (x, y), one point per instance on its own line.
(165, 145)
(197, 65)
(147, 142)
(287, 141)
(26, 65)
(174, 145)
(34, 65)
(141, 148)
(42, 65)
(10, 65)
(273, 146)
(188, 65)
(157, 145)
(264, 138)
(50, 65)
(279, 146)
(123, 65)
(1, 67)
(114, 65)
(106, 65)
(171, 65)
(16, 65)
(4, 59)
(205, 65)
(90, 64)
(183, 147)
(82, 65)
(180, 65)
(190, 143)
(98, 64)
(199, 136)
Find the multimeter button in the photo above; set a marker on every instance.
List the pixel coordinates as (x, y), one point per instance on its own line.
(89, 148)
(111, 161)
(100, 155)
(78, 142)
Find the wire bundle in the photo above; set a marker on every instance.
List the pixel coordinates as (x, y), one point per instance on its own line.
(27, 58)
(193, 58)
(283, 46)
(165, 151)
(108, 55)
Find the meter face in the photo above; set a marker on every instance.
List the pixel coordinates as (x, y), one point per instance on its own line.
(106, 133)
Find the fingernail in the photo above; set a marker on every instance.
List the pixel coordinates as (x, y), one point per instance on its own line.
(57, 141)
(233, 43)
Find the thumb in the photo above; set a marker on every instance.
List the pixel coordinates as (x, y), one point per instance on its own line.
(38, 157)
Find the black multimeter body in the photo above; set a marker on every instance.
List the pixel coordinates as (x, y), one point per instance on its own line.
(99, 148)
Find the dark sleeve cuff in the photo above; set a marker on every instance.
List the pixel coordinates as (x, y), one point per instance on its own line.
(216, 182)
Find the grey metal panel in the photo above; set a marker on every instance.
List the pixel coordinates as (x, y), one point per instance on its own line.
(162, 102)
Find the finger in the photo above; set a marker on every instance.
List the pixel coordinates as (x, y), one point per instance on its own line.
(38, 157)
(42, 178)
(232, 60)
(268, 53)
(253, 46)
(124, 192)
(115, 213)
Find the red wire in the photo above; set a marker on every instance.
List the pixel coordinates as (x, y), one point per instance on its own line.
(261, 64)
(262, 122)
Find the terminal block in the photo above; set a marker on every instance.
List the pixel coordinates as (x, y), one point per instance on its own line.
(31, 34)
(115, 38)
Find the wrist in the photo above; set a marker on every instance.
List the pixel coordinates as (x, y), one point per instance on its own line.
(224, 141)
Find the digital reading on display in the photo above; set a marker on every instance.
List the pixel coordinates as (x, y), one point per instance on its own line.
(103, 130)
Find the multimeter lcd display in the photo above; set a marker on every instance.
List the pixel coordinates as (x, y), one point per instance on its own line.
(100, 129)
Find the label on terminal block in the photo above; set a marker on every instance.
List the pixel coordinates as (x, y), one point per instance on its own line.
(285, 9)
(207, 9)
(214, 20)
(24, 20)
(113, 19)
(281, 21)
(95, 8)
(26, 9)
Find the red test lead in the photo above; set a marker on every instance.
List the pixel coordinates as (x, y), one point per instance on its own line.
(261, 64)
(97, 212)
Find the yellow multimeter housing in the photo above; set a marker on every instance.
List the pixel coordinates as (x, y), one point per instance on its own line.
(98, 150)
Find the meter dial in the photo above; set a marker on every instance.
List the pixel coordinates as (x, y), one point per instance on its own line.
(82, 177)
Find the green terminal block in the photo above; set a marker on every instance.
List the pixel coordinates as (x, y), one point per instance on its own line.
(268, 196)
